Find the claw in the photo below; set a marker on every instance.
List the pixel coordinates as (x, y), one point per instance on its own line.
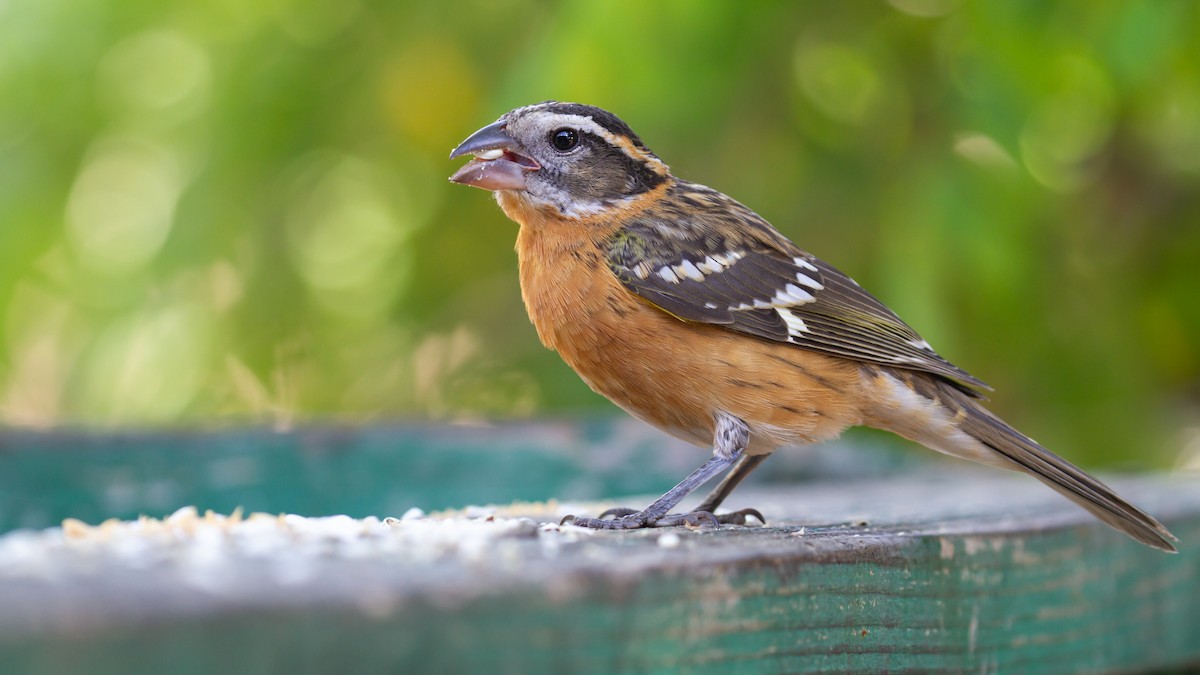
(698, 519)
(739, 517)
(617, 512)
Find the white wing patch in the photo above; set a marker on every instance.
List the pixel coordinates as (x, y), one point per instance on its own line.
(668, 274)
(687, 269)
(758, 304)
(710, 265)
(696, 271)
(804, 264)
(793, 295)
(794, 323)
(809, 281)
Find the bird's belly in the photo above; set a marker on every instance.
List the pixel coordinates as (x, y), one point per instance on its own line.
(676, 375)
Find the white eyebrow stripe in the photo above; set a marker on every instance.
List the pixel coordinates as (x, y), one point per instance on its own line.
(587, 124)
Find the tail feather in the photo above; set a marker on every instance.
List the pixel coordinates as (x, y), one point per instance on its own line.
(1068, 479)
(936, 413)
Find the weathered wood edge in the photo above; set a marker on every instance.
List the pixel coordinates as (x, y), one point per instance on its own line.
(1029, 584)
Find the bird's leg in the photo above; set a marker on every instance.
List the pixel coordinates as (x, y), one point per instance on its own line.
(744, 466)
(729, 442)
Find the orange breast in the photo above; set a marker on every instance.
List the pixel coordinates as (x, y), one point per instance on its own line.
(670, 373)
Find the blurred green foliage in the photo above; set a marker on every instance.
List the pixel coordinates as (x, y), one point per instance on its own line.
(228, 210)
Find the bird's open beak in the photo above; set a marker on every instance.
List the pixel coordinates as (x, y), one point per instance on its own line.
(499, 162)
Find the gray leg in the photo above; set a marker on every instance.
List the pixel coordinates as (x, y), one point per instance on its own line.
(736, 475)
(729, 441)
(739, 472)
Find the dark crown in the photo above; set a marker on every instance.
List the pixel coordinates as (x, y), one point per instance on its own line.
(600, 116)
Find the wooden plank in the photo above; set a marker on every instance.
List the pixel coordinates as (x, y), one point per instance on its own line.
(48, 476)
(933, 568)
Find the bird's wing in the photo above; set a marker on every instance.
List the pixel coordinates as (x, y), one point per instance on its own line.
(747, 277)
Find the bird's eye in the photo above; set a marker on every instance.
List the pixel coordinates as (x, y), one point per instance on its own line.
(564, 140)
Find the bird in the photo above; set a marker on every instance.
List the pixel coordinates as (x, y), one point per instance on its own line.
(691, 312)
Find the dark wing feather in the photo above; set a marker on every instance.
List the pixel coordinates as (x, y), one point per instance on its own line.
(703, 257)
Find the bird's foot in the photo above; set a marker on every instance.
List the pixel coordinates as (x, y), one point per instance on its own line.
(629, 519)
(739, 517)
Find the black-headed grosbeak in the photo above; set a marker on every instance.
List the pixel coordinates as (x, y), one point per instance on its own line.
(692, 313)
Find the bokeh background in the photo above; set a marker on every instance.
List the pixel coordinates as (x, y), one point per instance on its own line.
(222, 212)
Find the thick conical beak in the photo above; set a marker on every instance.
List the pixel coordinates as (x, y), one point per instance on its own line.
(499, 163)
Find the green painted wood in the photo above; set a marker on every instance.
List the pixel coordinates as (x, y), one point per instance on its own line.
(48, 476)
(933, 568)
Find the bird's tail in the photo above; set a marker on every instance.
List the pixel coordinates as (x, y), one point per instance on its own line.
(938, 414)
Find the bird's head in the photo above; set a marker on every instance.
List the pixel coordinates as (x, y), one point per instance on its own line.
(574, 159)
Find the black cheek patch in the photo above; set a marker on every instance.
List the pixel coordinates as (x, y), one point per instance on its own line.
(639, 177)
(607, 174)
